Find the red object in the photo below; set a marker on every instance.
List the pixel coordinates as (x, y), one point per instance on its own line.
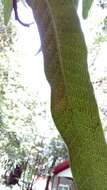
(60, 167)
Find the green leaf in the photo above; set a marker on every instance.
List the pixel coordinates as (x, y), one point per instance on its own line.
(86, 5)
(8, 5)
(76, 3)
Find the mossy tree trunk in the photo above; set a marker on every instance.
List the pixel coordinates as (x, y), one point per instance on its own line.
(73, 104)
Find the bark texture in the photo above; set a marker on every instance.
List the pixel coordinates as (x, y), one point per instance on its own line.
(73, 104)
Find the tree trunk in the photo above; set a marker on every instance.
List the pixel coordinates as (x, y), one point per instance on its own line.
(49, 173)
(73, 104)
(47, 182)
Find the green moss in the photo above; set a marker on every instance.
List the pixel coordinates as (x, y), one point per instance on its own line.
(73, 104)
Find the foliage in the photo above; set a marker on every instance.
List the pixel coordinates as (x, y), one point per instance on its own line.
(7, 6)
(7, 34)
(95, 49)
(86, 5)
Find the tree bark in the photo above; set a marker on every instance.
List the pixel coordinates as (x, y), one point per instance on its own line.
(47, 182)
(73, 103)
